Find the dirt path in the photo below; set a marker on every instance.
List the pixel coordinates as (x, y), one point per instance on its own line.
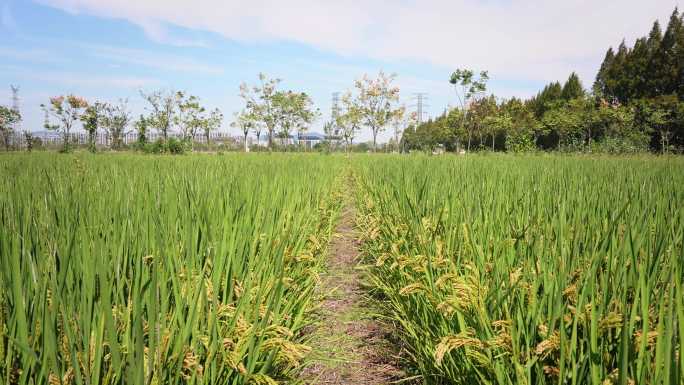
(349, 345)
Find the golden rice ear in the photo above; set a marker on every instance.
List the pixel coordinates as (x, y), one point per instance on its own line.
(549, 345)
(412, 289)
(453, 342)
(381, 259)
(612, 320)
(261, 379)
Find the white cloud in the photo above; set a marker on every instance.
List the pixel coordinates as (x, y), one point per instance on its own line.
(160, 34)
(155, 60)
(73, 80)
(515, 39)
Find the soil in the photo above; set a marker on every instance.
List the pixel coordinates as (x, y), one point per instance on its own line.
(350, 345)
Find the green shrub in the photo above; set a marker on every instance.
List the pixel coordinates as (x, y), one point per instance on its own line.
(176, 146)
(520, 143)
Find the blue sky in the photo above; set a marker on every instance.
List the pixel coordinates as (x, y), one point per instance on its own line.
(111, 49)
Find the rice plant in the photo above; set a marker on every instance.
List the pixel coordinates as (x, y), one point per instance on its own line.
(126, 269)
(530, 270)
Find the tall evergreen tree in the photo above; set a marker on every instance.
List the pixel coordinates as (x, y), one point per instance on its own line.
(600, 83)
(615, 78)
(572, 88)
(636, 70)
(551, 94)
(680, 59)
(655, 38)
(666, 71)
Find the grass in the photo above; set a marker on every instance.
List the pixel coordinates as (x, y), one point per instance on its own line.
(127, 269)
(203, 269)
(530, 270)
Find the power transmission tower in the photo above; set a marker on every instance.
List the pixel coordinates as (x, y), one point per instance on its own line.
(335, 112)
(420, 105)
(15, 106)
(333, 128)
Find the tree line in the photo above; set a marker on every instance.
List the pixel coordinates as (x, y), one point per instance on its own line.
(372, 103)
(635, 104)
(269, 110)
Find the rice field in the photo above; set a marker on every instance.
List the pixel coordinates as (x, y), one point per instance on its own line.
(138, 270)
(202, 269)
(509, 270)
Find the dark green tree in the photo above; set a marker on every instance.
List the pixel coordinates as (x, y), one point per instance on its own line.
(572, 88)
(91, 118)
(600, 85)
(666, 69)
(655, 37)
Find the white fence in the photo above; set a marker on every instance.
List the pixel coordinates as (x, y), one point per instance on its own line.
(48, 138)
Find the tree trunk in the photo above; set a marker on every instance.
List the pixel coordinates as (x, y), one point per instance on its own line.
(663, 141)
(245, 141)
(67, 133)
(493, 138)
(589, 139)
(375, 135)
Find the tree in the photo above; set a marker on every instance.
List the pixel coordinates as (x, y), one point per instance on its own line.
(680, 58)
(478, 111)
(162, 108)
(349, 120)
(376, 99)
(400, 122)
(545, 99)
(331, 131)
(617, 121)
(258, 129)
(91, 118)
(467, 86)
(572, 88)
(499, 123)
(29, 139)
(565, 121)
(600, 86)
(666, 69)
(67, 110)
(8, 118)
(115, 120)
(189, 115)
(293, 111)
(259, 99)
(141, 126)
(211, 123)
(656, 119)
(244, 120)
(655, 38)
